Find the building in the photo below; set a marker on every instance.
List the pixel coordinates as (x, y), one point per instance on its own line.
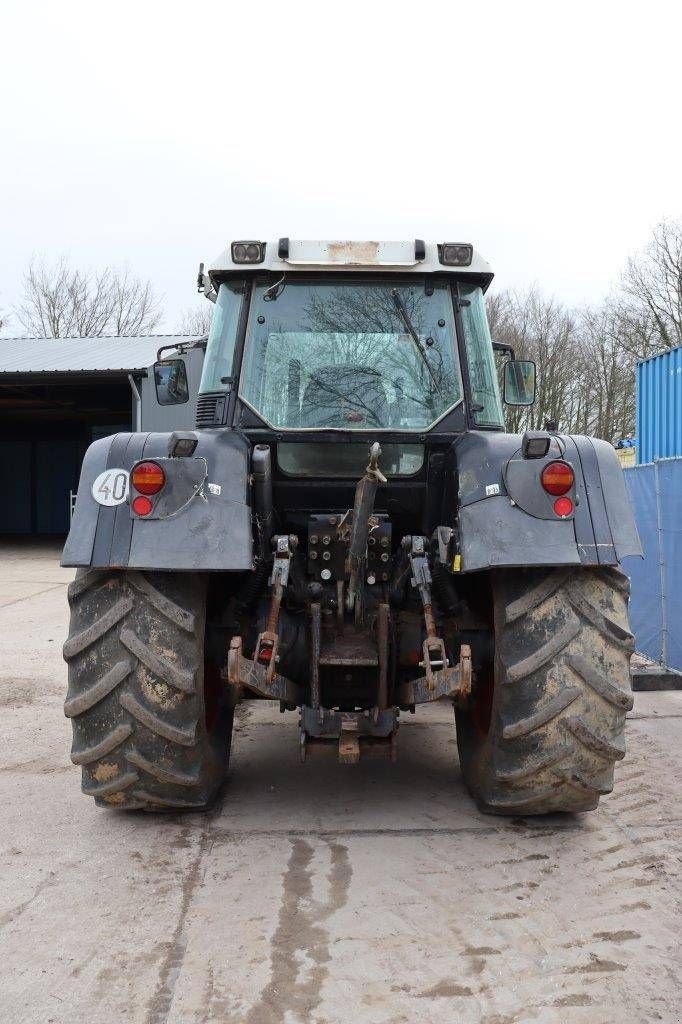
(59, 395)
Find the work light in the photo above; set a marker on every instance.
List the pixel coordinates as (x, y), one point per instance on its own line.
(182, 444)
(455, 254)
(248, 252)
(535, 444)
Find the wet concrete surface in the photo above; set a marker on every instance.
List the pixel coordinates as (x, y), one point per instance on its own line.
(318, 893)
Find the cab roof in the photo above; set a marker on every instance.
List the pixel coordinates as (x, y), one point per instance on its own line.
(296, 255)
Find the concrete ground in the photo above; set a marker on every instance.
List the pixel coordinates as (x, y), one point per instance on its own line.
(322, 893)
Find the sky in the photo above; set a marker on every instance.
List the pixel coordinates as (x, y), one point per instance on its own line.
(147, 134)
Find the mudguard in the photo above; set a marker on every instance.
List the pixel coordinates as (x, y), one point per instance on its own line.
(207, 526)
(506, 519)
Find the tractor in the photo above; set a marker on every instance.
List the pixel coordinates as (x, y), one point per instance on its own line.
(350, 531)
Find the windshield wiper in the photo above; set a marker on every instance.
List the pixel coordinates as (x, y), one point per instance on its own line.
(405, 317)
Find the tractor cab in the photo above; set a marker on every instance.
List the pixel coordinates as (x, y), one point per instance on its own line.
(371, 336)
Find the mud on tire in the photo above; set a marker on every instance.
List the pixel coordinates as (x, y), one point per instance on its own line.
(151, 723)
(546, 726)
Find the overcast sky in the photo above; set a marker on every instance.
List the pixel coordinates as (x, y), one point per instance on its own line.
(149, 133)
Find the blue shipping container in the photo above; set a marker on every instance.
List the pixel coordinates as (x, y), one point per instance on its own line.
(659, 406)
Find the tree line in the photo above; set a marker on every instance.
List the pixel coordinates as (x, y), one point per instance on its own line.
(585, 357)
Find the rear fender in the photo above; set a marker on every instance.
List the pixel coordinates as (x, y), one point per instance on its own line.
(506, 519)
(201, 521)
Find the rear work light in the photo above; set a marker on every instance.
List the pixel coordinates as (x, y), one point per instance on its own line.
(248, 252)
(147, 477)
(455, 254)
(535, 444)
(557, 478)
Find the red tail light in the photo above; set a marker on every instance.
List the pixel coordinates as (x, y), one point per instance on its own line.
(148, 477)
(141, 506)
(557, 478)
(563, 507)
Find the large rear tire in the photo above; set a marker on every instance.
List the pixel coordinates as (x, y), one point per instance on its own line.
(546, 722)
(152, 724)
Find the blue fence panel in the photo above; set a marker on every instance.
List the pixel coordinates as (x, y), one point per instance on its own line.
(646, 618)
(655, 492)
(670, 516)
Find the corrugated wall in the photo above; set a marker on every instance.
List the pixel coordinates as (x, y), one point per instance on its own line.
(659, 406)
(655, 493)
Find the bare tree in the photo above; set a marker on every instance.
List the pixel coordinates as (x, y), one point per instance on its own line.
(135, 310)
(62, 302)
(543, 330)
(196, 321)
(652, 291)
(608, 375)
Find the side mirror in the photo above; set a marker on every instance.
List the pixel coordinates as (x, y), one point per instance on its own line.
(170, 380)
(519, 382)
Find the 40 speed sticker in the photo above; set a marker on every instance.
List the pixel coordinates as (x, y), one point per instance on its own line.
(111, 487)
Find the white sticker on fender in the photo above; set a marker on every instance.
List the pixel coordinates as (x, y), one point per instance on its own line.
(491, 489)
(215, 488)
(111, 487)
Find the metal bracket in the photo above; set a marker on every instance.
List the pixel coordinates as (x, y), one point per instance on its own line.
(351, 732)
(284, 546)
(433, 650)
(349, 740)
(243, 672)
(267, 643)
(452, 683)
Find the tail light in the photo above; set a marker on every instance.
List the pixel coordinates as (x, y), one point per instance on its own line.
(563, 507)
(141, 505)
(557, 478)
(148, 477)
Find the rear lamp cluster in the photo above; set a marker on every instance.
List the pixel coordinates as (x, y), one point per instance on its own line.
(455, 254)
(147, 478)
(557, 478)
(248, 252)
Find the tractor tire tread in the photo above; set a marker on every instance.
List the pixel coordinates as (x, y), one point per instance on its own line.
(562, 690)
(136, 693)
(78, 703)
(79, 642)
(86, 755)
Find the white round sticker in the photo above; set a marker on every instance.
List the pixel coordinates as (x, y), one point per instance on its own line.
(111, 487)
